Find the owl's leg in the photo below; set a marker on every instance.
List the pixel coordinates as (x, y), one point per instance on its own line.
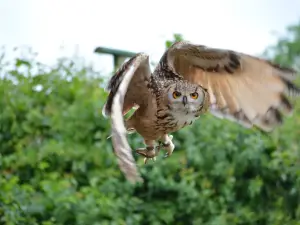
(150, 152)
(168, 144)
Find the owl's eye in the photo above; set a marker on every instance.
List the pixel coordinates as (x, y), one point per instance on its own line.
(176, 94)
(194, 95)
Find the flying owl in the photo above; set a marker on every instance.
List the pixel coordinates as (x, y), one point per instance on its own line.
(188, 81)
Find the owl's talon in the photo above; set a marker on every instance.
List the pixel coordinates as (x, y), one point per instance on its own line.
(147, 159)
(148, 153)
(169, 151)
(168, 145)
(142, 152)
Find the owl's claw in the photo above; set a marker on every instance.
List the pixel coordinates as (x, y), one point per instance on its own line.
(146, 159)
(169, 146)
(151, 152)
(148, 153)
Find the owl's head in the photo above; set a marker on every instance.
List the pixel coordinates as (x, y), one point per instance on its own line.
(186, 97)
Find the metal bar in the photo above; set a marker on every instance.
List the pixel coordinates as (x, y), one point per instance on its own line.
(116, 52)
(119, 56)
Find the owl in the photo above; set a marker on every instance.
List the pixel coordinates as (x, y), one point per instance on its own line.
(188, 81)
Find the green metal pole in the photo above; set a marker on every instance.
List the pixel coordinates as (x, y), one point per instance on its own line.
(119, 56)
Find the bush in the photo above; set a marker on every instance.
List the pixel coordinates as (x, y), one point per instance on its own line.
(57, 167)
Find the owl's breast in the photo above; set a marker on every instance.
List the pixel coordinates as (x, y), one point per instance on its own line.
(182, 119)
(175, 120)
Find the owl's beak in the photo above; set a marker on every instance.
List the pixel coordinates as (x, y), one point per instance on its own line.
(184, 100)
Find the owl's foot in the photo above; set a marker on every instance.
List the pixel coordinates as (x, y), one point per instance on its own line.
(168, 145)
(150, 152)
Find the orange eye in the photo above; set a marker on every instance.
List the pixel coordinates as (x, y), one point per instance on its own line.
(194, 95)
(176, 94)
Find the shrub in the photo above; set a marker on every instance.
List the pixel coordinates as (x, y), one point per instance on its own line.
(57, 167)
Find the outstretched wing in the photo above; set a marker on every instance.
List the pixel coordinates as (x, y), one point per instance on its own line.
(136, 72)
(128, 87)
(246, 89)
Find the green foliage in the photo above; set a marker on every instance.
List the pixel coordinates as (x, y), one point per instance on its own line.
(176, 37)
(57, 167)
(287, 49)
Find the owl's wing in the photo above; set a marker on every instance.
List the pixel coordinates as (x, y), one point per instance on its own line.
(128, 87)
(136, 74)
(243, 88)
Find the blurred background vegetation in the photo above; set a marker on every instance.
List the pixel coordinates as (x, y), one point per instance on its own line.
(57, 167)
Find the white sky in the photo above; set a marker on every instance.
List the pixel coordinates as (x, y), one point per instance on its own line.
(136, 25)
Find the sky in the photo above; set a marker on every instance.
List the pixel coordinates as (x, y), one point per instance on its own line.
(140, 26)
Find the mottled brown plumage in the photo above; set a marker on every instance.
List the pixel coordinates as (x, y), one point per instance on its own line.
(189, 81)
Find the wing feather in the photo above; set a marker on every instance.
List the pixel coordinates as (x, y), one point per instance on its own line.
(128, 87)
(243, 88)
(137, 93)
